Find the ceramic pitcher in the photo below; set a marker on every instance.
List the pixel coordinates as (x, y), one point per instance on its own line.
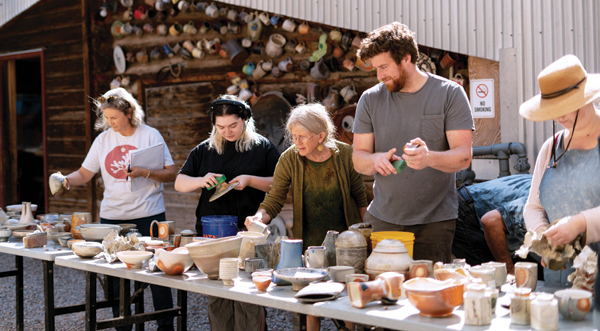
(291, 257)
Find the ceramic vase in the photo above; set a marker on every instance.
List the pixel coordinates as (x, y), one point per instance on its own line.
(291, 257)
(544, 312)
(478, 305)
(388, 255)
(329, 244)
(26, 214)
(387, 287)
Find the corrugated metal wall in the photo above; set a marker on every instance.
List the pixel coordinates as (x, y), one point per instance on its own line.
(540, 31)
(11, 8)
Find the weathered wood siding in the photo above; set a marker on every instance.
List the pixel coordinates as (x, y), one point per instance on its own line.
(56, 26)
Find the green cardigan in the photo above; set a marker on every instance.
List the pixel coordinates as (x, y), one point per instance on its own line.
(290, 173)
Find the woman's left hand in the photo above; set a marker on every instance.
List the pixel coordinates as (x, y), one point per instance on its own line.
(566, 229)
(138, 172)
(243, 180)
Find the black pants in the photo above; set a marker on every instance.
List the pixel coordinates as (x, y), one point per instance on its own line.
(161, 296)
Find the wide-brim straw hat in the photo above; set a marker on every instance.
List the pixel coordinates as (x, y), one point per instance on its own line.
(565, 86)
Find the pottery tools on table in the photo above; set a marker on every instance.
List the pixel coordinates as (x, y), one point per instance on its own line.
(221, 188)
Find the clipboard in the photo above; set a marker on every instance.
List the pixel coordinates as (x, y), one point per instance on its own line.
(151, 157)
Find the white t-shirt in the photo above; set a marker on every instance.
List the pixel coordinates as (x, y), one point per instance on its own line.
(110, 153)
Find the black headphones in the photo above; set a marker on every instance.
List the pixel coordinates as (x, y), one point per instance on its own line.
(244, 110)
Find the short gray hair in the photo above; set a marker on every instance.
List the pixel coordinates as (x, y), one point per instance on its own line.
(315, 119)
(120, 100)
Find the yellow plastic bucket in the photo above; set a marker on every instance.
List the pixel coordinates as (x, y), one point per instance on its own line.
(407, 238)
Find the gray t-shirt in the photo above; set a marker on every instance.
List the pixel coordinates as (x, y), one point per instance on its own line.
(414, 196)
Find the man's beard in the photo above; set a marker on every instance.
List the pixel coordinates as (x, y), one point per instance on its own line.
(396, 84)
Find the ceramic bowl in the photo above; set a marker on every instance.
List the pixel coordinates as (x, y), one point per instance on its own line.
(19, 234)
(97, 232)
(86, 249)
(174, 262)
(338, 273)
(18, 208)
(207, 254)
(301, 277)
(125, 227)
(54, 236)
(70, 242)
(134, 259)
(64, 241)
(5, 234)
(262, 282)
(434, 298)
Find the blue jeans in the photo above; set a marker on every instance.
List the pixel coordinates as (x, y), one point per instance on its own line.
(161, 296)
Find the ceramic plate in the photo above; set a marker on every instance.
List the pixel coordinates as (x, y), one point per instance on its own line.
(119, 58)
(116, 29)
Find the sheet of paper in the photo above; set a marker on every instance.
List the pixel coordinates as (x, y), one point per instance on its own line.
(151, 157)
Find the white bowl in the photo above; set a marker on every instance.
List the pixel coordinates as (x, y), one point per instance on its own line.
(86, 249)
(207, 254)
(54, 236)
(97, 232)
(134, 259)
(173, 262)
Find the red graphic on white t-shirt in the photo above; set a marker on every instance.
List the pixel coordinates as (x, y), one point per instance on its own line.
(117, 160)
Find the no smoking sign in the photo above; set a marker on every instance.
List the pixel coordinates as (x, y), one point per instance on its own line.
(482, 98)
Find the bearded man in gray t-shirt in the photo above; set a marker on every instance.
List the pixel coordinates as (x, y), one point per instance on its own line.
(431, 112)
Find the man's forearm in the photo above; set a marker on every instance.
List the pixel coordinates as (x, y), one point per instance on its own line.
(363, 162)
(452, 160)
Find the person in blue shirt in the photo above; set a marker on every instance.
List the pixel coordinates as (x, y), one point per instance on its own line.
(490, 224)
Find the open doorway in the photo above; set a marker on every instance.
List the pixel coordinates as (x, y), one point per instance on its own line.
(22, 131)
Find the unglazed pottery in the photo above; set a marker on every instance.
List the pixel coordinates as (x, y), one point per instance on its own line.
(388, 255)
(356, 278)
(574, 304)
(338, 273)
(173, 262)
(63, 241)
(500, 272)
(351, 250)
(434, 298)
(387, 287)
(262, 282)
(544, 312)
(329, 244)
(56, 235)
(97, 232)
(228, 270)
(133, 259)
(71, 241)
(249, 240)
(86, 249)
(77, 219)
(477, 305)
(520, 306)
(300, 277)
(420, 268)
(5, 234)
(26, 214)
(487, 275)
(207, 254)
(526, 275)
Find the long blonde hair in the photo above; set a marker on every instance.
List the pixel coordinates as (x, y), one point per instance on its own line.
(120, 100)
(249, 136)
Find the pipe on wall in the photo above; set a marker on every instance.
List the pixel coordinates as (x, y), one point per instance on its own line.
(502, 153)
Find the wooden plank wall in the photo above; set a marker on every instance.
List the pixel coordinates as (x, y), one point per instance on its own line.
(56, 26)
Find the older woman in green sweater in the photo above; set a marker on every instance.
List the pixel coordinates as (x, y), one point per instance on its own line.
(327, 193)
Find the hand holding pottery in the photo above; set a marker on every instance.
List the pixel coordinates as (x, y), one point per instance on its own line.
(59, 184)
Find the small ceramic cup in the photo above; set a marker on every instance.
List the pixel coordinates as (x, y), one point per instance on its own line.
(573, 304)
(526, 275)
(338, 273)
(357, 278)
(420, 268)
(500, 270)
(228, 270)
(487, 275)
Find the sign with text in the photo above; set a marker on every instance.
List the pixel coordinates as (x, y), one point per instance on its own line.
(482, 98)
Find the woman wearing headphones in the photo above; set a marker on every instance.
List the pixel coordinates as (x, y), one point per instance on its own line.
(235, 150)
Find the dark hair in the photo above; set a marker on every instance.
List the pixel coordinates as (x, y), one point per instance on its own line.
(229, 105)
(395, 38)
(120, 100)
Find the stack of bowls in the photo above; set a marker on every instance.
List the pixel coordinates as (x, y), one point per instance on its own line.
(228, 270)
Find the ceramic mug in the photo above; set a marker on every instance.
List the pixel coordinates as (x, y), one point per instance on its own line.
(223, 12)
(264, 18)
(573, 304)
(175, 29)
(243, 16)
(267, 65)
(258, 72)
(244, 84)
(126, 29)
(148, 28)
(165, 229)
(290, 46)
(289, 25)
(248, 69)
(177, 48)
(487, 275)
(246, 94)
(137, 30)
(155, 54)
(189, 28)
(417, 268)
(142, 56)
(526, 275)
(233, 89)
(185, 54)
(300, 48)
(233, 27)
(275, 45)
(348, 93)
(198, 53)
(286, 65)
(255, 226)
(232, 15)
(303, 28)
(167, 50)
(335, 35)
(500, 269)
(183, 5)
(140, 13)
(220, 27)
(189, 45)
(162, 30)
(246, 43)
(314, 257)
(348, 64)
(205, 27)
(212, 11)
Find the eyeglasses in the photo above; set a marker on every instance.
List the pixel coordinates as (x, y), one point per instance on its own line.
(301, 139)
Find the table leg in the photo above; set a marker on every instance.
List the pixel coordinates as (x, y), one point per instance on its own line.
(49, 294)
(125, 297)
(299, 322)
(139, 302)
(90, 301)
(182, 304)
(19, 291)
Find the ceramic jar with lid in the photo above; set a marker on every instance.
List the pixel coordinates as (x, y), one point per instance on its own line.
(388, 255)
(544, 312)
(187, 236)
(478, 305)
(366, 229)
(351, 250)
(520, 306)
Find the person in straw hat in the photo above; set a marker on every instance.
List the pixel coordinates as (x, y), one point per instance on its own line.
(565, 189)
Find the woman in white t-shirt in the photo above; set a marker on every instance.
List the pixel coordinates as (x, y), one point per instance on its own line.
(121, 120)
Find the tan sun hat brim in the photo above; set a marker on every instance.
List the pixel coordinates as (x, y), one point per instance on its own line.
(538, 109)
